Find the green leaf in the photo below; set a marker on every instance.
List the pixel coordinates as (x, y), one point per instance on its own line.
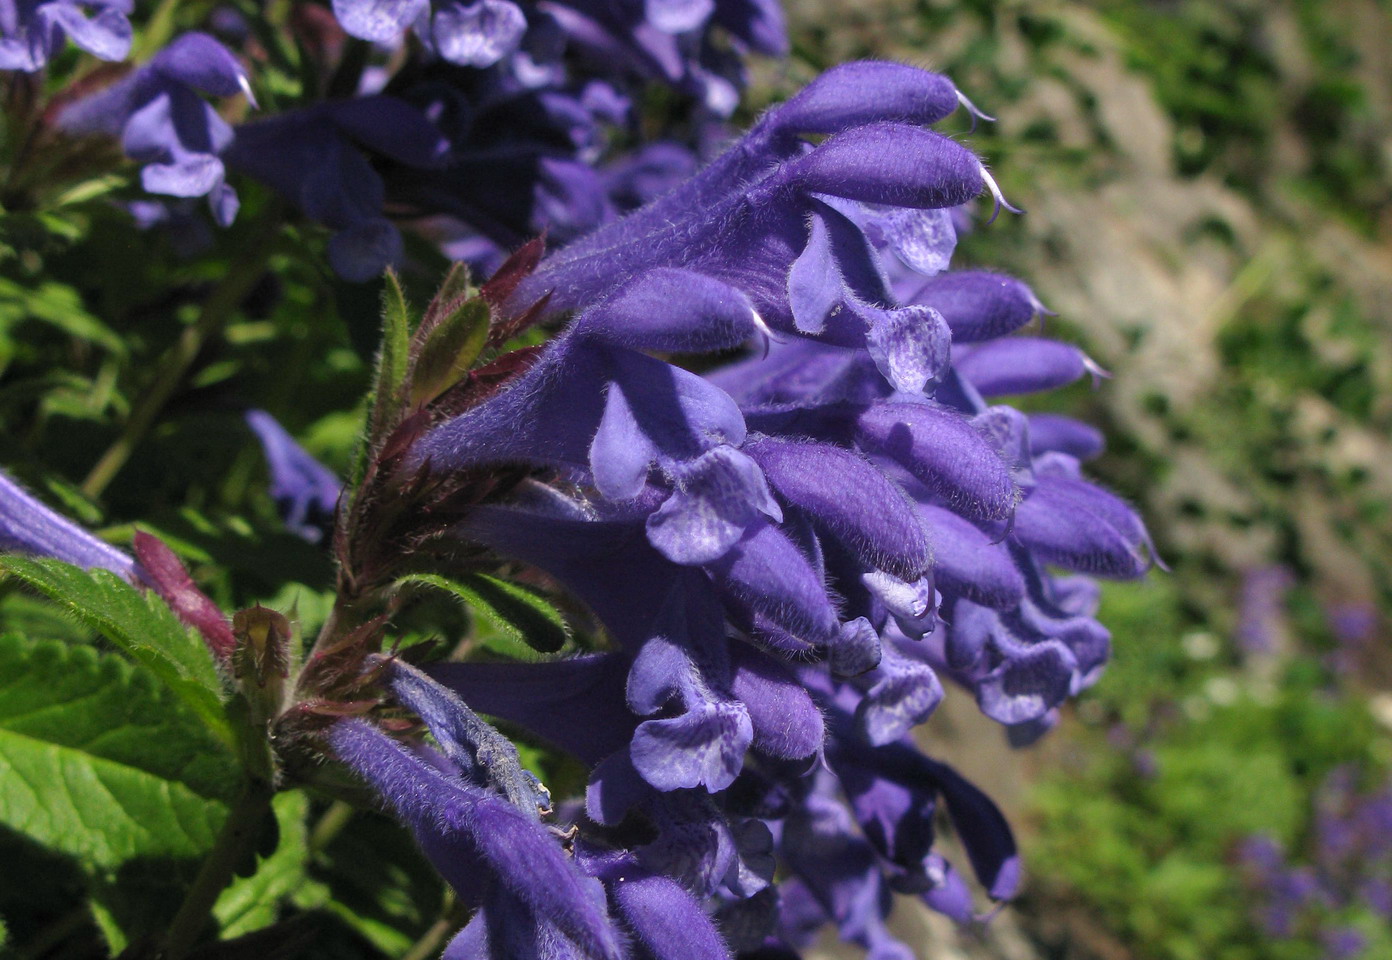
(138, 623)
(392, 356)
(373, 876)
(101, 763)
(253, 902)
(521, 613)
(450, 350)
(60, 306)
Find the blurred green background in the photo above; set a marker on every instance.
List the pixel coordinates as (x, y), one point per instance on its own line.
(1209, 211)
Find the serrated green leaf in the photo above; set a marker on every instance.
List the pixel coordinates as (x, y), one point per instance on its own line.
(101, 763)
(253, 902)
(450, 350)
(520, 612)
(138, 623)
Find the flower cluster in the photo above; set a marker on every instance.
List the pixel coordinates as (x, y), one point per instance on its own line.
(784, 560)
(489, 128)
(1349, 874)
(789, 555)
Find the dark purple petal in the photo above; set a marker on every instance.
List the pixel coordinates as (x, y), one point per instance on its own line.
(890, 163)
(391, 127)
(28, 526)
(480, 751)
(1028, 684)
(767, 571)
(786, 722)
(106, 35)
(982, 829)
(1051, 432)
(816, 290)
(361, 252)
(671, 310)
(905, 693)
(969, 563)
(677, 16)
(304, 489)
(863, 92)
(704, 746)
(197, 60)
(461, 825)
(578, 704)
(911, 345)
(759, 23)
(842, 492)
(194, 177)
(666, 919)
(855, 650)
(978, 305)
(1024, 365)
(1082, 527)
(615, 788)
(945, 453)
(923, 239)
(949, 894)
(912, 603)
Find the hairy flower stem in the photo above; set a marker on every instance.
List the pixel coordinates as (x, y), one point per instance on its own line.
(239, 280)
(335, 818)
(234, 841)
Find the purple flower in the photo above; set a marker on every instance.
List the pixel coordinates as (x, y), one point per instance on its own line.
(164, 123)
(313, 157)
(793, 554)
(474, 811)
(473, 34)
(32, 33)
(1262, 608)
(304, 489)
(27, 526)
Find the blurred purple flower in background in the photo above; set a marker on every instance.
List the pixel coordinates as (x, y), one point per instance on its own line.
(162, 122)
(304, 489)
(32, 33)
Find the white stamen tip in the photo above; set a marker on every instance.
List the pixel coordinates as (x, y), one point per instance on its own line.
(764, 329)
(1098, 372)
(996, 193)
(976, 112)
(245, 84)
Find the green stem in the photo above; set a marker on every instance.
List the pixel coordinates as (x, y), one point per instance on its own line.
(234, 842)
(429, 943)
(55, 933)
(174, 365)
(334, 820)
